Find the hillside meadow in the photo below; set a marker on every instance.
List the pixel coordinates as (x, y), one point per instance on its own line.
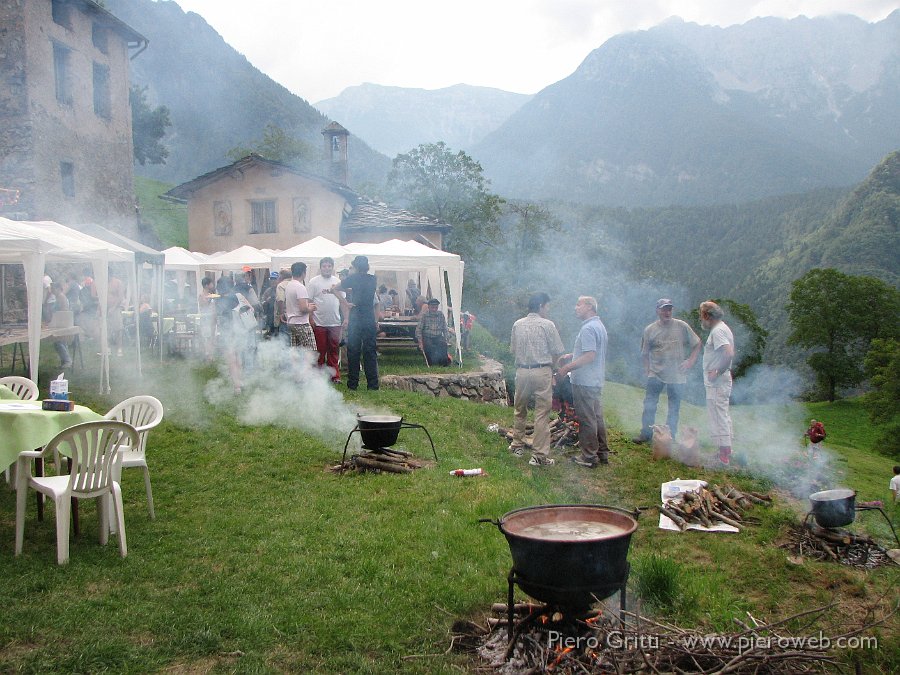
(261, 559)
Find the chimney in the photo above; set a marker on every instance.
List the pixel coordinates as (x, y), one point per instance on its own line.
(336, 138)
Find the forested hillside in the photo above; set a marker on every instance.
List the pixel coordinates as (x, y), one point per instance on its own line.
(752, 252)
(217, 99)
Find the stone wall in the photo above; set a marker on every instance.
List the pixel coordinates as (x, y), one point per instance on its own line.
(485, 386)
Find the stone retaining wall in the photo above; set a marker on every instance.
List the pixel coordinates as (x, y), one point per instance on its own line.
(486, 385)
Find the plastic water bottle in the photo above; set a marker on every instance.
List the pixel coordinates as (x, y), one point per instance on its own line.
(467, 472)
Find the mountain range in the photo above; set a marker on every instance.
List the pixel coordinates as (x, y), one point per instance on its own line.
(679, 114)
(397, 119)
(688, 114)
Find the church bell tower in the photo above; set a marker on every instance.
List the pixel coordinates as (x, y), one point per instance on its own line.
(336, 138)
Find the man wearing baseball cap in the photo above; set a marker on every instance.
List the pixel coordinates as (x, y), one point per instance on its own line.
(663, 347)
(432, 335)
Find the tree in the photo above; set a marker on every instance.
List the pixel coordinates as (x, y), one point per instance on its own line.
(523, 230)
(148, 126)
(433, 180)
(883, 369)
(749, 336)
(279, 146)
(838, 315)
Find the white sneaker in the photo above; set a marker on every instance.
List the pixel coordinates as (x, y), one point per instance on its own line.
(518, 451)
(541, 461)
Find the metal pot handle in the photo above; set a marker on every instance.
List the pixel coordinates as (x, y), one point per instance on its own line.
(491, 521)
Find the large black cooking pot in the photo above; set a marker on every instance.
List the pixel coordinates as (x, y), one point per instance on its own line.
(379, 431)
(834, 508)
(569, 570)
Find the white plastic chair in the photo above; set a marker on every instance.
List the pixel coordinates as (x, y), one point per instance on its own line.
(94, 449)
(143, 413)
(26, 390)
(22, 387)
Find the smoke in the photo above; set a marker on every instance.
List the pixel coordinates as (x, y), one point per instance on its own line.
(587, 258)
(769, 426)
(282, 386)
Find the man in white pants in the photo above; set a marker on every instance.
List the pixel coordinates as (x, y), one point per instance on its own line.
(718, 353)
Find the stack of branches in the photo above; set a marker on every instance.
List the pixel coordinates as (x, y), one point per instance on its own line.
(391, 460)
(562, 432)
(840, 546)
(711, 505)
(796, 644)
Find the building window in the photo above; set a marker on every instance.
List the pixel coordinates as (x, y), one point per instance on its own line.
(101, 91)
(99, 37)
(67, 178)
(263, 217)
(61, 13)
(62, 73)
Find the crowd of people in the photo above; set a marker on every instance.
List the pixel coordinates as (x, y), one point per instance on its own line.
(669, 349)
(322, 314)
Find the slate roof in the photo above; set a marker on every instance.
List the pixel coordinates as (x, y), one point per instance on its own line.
(368, 215)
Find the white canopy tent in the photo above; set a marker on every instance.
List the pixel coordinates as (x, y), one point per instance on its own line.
(33, 245)
(411, 256)
(245, 256)
(311, 252)
(182, 262)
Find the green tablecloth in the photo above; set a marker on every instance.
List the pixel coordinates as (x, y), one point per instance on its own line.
(6, 394)
(26, 427)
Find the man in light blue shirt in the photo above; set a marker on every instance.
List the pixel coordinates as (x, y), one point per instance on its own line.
(587, 370)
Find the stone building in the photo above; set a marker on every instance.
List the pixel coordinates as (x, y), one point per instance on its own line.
(268, 204)
(65, 120)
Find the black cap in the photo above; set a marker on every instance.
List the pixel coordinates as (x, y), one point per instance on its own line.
(361, 262)
(434, 301)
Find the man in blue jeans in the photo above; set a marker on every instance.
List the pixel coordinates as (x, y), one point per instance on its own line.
(663, 347)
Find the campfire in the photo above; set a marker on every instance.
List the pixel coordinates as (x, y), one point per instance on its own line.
(838, 545)
(563, 432)
(379, 433)
(607, 641)
(390, 460)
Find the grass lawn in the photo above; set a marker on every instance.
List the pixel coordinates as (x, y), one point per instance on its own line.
(262, 560)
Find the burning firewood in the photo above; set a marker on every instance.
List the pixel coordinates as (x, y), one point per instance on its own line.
(563, 432)
(837, 545)
(606, 642)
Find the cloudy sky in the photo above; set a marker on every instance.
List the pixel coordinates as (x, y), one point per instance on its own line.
(317, 49)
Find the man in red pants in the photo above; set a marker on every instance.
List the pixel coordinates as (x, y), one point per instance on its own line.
(327, 317)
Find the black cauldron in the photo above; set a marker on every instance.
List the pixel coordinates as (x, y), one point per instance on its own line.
(571, 571)
(379, 431)
(833, 508)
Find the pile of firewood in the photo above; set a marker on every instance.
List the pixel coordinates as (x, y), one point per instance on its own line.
(562, 432)
(602, 644)
(712, 505)
(391, 460)
(837, 545)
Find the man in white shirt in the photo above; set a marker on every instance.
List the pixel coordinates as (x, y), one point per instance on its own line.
(327, 317)
(895, 484)
(297, 308)
(718, 353)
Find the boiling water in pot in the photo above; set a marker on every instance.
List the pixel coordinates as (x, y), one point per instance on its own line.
(571, 530)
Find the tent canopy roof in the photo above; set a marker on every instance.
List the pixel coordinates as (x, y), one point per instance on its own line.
(142, 253)
(57, 242)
